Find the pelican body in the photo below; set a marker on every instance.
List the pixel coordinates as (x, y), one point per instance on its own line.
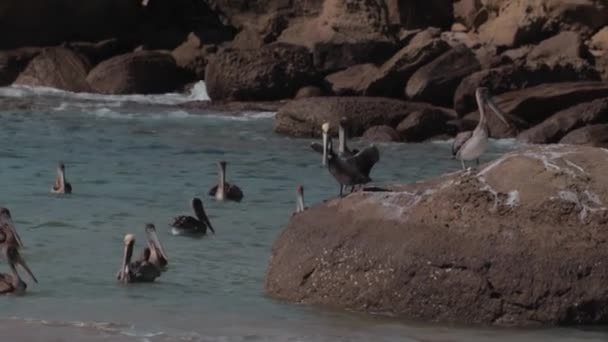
(12, 283)
(8, 233)
(469, 145)
(61, 186)
(224, 190)
(188, 225)
(139, 271)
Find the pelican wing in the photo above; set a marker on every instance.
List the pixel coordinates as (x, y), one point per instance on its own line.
(459, 140)
(365, 159)
(233, 192)
(185, 222)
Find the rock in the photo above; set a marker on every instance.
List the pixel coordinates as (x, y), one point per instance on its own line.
(330, 57)
(518, 23)
(308, 91)
(458, 27)
(426, 123)
(561, 123)
(421, 14)
(425, 35)
(601, 64)
(273, 72)
(260, 32)
(142, 72)
(304, 117)
(599, 41)
(392, 76)
(516, 55)
(105, 49)
(352, 81)
(12, 62)
(593, 135)
(566, 44)
(405, 36)
(530, 106)
(437, 81)
(490, 247)
(381, 133)
(191, 55)
(465, 11)
(519, 76)
(468, 39)
(57, 68)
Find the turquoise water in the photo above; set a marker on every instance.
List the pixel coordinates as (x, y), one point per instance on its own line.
(138, 160)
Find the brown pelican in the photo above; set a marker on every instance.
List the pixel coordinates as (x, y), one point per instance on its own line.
(12, 283)
(61, 186)
(154, 252)
(320, 148)
(299, 199)
(471, 145)
(138, 271)
(8, 234)
(351, 170)
(224, 190)
(188, 225)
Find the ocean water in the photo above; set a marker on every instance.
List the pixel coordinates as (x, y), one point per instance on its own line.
(138, 159)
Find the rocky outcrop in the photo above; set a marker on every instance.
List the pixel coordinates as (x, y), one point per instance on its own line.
(142, 72)
(492, 246)
(12, 62)
(192, 56)
(381, 133)
(566, 44)
(102, 50)
(561, 123)
(57, 68)
(437, 81)
(593, 135)
(274, 72)
(426, 123)
(352, 81)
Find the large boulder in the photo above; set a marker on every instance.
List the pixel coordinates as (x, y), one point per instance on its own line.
(273, 72)
(530, 106)
(593, 135)
(141, 72)
(102, 50)
(561, 123)
(599, 41)
(381, 133)
(304, 117)
(437, 81)
(565, 44)
(192, 56)
(426, 123)
(352, 81)
(12, 62)
(57, 68)
(493, 246)
(518, 76)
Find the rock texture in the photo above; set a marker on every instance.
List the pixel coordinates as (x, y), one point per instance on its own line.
(593, 135)
(477, 247)
(12, 62)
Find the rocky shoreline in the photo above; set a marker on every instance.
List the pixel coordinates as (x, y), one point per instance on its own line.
(546, 58)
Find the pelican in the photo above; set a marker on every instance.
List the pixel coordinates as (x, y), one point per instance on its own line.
(8, 234)
(299, 199)
(224, 190)
(193, 225)
(471, 145)
(154, 252)
(61, 186)
(343, 149)
(12, 283)
(139, 271)
(351, 170)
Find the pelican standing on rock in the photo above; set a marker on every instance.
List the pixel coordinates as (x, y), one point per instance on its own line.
(8, 233)
(471, 145)
(139, 271)
(224, 190)
(12, 283)
(188, 225)
(154, 252)
(61, 186)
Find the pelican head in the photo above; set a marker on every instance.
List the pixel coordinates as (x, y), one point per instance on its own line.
(483, 97)
(156, 250)
(14, 258)
(7, 227)
(222, 164)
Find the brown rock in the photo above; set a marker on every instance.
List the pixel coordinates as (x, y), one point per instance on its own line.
(143, 72)
(273, 72)
(426, 123)
(422, 37)
(530, 106)
(593, 135)
(308, 91)
(192, 56)
(392, 76)
(57, 68)
(519, 76)
(465, 11)
(12, 62)
(437, 81)
(519, 22)
(304, 117)
(381, 133)
(492, 247)
(97, 52)
(601, 64)
(352, 81)
(561, 123)
(566, 44)
(599, 41)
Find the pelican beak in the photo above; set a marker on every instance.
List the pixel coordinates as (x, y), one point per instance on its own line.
(155, 244)
(325, 129)
(19, 261)
(499, 113)
(8, 222)
(123, 274)
(208, 222)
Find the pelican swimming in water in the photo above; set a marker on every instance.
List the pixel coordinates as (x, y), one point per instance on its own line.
(154, 252)
(224, 190)
(8, 233)
(299, 199)
(188, 225)
(12, 283)
(471, 145)
(61, 186)
(351, 171)
(139, 271)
